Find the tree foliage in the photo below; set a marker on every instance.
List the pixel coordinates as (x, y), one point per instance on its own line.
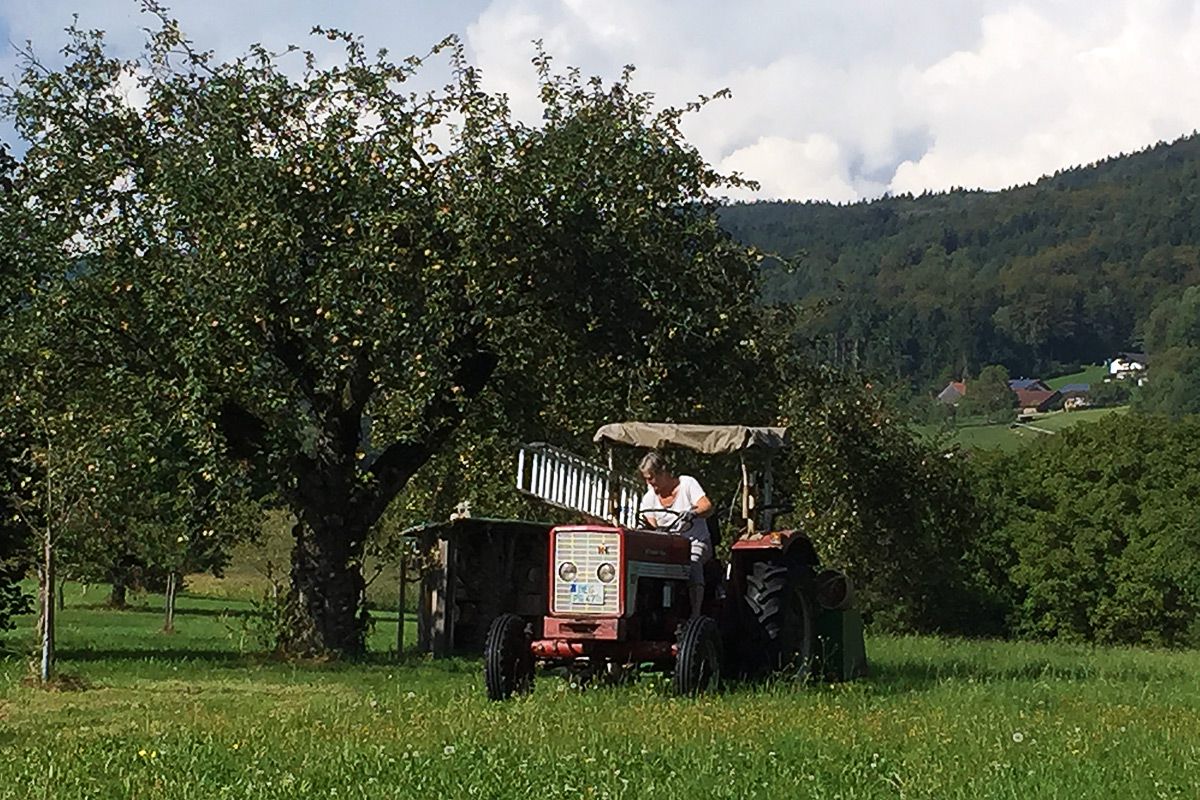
(323, 277)
(16, 554)
(16, 473)
(1099, 526)
(1173, 339)
(1037, 278)
(989, 396)
(898, 515)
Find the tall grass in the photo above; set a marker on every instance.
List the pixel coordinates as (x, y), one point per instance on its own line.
(197, 715)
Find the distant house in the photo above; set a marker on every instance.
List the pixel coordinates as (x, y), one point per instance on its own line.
(1036, 401)
(1017, 384)
(1127, 364)
(1075, 396)
(954, 391)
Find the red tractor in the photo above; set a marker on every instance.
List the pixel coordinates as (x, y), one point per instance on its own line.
(618, 587)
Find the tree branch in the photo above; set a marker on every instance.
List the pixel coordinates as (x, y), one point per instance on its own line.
(401, 460)
(245, 432)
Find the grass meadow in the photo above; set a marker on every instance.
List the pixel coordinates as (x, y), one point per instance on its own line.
(1005, 436)
(1093, 373)
(197, 714)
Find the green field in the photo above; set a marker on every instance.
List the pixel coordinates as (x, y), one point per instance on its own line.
(1092, 374)
(197, 715)
(1006, 437)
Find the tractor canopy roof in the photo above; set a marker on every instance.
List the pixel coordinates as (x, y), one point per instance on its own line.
(708, 439)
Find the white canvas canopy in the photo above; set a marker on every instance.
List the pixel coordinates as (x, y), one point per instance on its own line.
(708, 439)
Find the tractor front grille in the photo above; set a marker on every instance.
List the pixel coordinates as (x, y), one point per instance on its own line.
(586, 594)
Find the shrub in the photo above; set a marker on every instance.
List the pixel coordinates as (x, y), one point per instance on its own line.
(896, 514)
(1099, 523)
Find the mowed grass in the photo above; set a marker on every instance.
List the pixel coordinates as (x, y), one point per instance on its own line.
(1094, 373)
(1008, 437)
(196, 715)
(1061, 420)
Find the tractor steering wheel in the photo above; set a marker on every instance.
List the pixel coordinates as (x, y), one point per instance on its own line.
(644, 516)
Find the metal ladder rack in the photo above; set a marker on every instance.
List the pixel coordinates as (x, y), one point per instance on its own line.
(565, 480)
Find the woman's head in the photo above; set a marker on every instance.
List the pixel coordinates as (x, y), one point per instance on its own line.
(656, 471)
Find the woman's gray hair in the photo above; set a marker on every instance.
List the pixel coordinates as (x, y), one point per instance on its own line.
(653, 462)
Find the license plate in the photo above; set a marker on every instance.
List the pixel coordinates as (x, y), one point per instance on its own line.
(591, 594)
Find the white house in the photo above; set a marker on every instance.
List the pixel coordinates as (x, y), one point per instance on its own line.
(1127, 364)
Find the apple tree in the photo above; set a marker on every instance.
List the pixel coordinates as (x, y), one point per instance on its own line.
(328, 274)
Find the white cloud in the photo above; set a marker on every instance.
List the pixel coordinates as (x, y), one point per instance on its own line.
(1036, 95)
(813, 169)
(840, 101)
(850, 101)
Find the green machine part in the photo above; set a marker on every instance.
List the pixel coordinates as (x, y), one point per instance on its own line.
(841, 653)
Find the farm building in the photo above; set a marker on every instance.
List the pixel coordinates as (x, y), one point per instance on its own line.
(954, 391)
(1036, 401)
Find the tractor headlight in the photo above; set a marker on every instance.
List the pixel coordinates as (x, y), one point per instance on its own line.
(567, 571)
(606, 572)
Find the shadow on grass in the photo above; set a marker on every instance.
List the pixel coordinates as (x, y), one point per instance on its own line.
(898, 677)
(227, 658)
(233, 659)
(378, 615)
(157, 610)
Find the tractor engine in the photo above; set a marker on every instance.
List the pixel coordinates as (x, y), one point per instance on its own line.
(611, 583)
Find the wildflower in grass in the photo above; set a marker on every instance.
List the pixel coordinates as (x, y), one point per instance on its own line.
(235, 745)
(1018, 737)
(448, 750)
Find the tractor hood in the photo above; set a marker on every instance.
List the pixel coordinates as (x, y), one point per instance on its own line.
(709, 439)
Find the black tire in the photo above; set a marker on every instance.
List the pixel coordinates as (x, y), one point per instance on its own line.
(780, 621)
(507, 662)
(698, 664)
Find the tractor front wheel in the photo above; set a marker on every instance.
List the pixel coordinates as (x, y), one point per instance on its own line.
(698, 663)
(507, 662)
(781, 619)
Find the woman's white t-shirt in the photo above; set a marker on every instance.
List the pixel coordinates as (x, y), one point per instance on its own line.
(686, 496)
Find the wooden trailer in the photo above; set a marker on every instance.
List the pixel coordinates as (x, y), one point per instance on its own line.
(483, 568)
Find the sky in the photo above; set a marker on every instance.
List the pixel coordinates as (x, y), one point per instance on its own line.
(841, 101)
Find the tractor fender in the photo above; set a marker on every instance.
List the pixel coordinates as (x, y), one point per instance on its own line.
(794, 543)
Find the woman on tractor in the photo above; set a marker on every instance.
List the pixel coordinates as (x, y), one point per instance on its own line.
(688, 508)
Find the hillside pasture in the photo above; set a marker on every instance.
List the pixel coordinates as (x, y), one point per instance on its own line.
(197, 714)
(1094, 373)
(1007, 437)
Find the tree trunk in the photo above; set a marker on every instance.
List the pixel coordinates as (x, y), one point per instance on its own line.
(328, 591)
(172, 587)
(117, 598)
(400, 602)
(47, 616)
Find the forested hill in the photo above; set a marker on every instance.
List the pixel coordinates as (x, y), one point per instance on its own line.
(1039, 277)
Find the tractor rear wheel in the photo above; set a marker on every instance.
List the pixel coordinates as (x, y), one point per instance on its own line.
(507, 662)
(698, 663)
(781, 621)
